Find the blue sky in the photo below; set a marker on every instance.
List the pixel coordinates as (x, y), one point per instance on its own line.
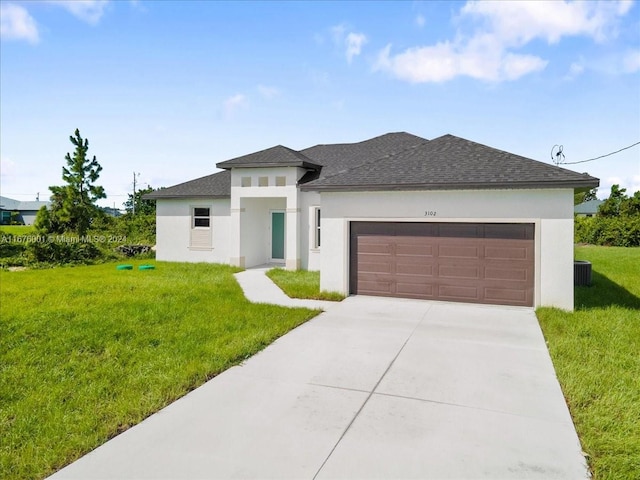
(168, 89)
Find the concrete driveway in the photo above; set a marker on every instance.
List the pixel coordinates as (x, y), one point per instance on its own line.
(372, 388)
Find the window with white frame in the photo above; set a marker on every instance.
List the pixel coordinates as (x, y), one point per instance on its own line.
(316, 227)
(201, 217)
(200, 238)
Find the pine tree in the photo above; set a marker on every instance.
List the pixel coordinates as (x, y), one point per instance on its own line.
(73, 206)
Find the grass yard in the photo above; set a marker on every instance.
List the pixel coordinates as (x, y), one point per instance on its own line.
(17, 229)
(87, 352)
(301, 284)
(596, 354)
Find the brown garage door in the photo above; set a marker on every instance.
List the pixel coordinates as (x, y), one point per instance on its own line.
(460, 262)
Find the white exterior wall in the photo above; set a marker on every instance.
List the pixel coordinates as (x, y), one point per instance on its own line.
(173, 230)
(250, 207)
(551, 211)
(309, 256)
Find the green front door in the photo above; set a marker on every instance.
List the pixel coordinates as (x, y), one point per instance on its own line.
(277, 235)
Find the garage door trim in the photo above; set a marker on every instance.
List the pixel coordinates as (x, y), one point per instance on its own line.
(472, 262)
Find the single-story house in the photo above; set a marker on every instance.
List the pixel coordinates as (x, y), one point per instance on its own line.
(25, 212)
(397, 215)
(588, 208)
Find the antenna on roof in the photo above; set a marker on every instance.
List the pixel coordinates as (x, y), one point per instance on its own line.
(557, 157)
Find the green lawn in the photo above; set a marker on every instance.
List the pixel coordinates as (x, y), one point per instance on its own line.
(17, 229)
(301, 284)
(87, 352)
(596, 354)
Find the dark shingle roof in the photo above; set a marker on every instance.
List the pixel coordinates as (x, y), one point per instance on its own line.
(450, 162)
(217, 185)
(277, 156)
(395, 161)
(340, 157)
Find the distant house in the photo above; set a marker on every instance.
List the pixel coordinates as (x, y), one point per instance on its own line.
(395, 215)
(114, 212)
(587, 209)
(25, 211)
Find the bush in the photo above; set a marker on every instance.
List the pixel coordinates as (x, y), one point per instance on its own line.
(64, 252)
(622, 231)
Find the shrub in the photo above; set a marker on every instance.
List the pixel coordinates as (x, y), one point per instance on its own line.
(622, 231)
(64, 252)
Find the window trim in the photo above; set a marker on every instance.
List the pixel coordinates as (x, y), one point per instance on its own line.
(194, 217)
(317, 227)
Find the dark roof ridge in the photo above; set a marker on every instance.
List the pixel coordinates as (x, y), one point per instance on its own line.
(361, 141)
(254, 158)
(375, 160)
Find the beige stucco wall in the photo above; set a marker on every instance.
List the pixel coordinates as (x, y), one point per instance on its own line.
(551, 211)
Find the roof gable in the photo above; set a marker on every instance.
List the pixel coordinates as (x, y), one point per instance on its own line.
(278, 156)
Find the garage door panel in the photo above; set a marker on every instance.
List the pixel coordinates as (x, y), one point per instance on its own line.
(480, 263)
(466, 272)
(522, 231)
(372, 247)
(417, 269)
(414, 249)
(415, 290)
(503, 295)
(374, 286)
(374, 267)
(465, 293)
(512, 274)
(460, 230)
(502, 252)
(457, 250)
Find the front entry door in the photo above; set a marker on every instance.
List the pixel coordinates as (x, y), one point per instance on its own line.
(277, 236)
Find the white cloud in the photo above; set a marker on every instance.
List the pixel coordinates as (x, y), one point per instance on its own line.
(351, 41)
(631, 61)
(420, 20)
(89, 11)
(7, 167)
(354, 42)
(576, 69)
(501, 28)
(235, 103)
(517, 23)
(268, 92)
(17, 24)
(445, 61)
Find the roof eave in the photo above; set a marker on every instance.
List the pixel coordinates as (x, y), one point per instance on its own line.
(177, 196)
(590, 183)
(306, 165)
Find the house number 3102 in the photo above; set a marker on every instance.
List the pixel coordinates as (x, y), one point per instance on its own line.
(430, 213)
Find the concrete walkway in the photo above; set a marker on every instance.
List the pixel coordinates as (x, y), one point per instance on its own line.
(372, 388)
(259, 288)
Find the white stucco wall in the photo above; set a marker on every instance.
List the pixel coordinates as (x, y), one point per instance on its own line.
(250, 220)
(173, 230)
(551, 211)
(309, 256)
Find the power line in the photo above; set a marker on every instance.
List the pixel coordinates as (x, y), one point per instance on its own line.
(601, 156)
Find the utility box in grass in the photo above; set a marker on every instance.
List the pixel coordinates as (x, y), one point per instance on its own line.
(581, 273)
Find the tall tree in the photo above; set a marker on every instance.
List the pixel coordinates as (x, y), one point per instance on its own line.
(611, 206)
(73, 206)
(143, 207)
